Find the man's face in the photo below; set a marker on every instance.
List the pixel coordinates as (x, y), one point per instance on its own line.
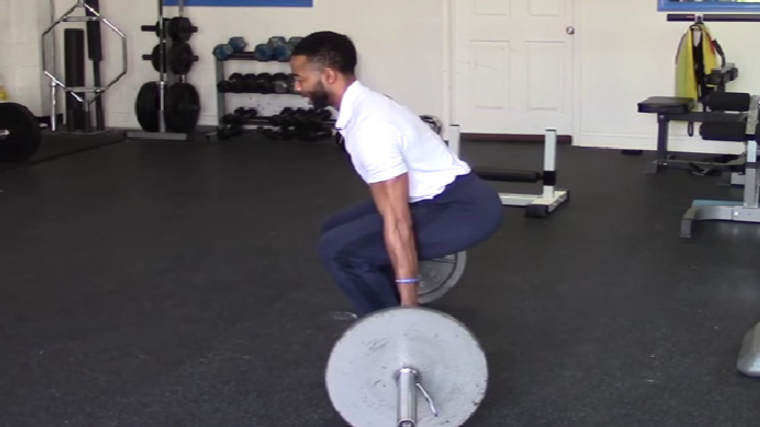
(309, 81)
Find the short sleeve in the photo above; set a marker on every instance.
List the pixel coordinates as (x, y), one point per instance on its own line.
(378, 149)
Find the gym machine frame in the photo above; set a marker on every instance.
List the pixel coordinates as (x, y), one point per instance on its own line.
(536, 205)
(80, 93)
(749, 209)
(680, 109)
(164, 77)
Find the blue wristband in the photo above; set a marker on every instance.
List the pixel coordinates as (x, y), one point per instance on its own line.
(405, 281)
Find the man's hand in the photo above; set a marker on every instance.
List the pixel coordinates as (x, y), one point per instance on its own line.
(392, 201)
(409, 295)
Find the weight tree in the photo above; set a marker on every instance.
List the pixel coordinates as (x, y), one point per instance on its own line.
(79, 96)
(169, 108)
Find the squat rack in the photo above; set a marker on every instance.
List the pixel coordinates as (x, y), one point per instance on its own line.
(536, 205)
(80, 93)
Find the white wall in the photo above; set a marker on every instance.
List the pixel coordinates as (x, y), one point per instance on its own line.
(21, 26)
(625, 52)
(400, 52)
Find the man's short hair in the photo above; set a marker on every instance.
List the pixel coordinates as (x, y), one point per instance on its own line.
(329, 49)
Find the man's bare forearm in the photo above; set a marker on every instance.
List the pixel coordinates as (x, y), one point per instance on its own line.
(399, 239)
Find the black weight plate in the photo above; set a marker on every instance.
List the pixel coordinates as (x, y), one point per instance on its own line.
(147, 106)
(156, 57)
(181, 58)
(180, 29)
(21, 133)
(182, 108)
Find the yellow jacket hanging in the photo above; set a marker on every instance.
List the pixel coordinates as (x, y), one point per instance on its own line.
(687, 81)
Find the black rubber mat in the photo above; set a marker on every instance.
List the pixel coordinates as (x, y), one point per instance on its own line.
(63, 144)
(177, 284)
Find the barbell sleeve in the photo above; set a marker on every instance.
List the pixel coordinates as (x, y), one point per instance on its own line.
(407, 398)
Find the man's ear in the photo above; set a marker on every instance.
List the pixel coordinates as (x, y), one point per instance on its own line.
(329, 75)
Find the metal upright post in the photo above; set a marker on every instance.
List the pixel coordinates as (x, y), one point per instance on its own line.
(550, 162)
(162, 68)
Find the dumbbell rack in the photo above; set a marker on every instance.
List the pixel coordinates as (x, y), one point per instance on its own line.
(166, 80)
(221, 99)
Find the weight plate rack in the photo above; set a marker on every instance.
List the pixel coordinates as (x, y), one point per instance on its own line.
(169, 109)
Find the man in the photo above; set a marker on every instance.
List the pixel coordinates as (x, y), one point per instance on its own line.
(426, 203)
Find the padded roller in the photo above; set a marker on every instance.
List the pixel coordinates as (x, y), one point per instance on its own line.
(728, 101)
(503, 175)
(719, 131)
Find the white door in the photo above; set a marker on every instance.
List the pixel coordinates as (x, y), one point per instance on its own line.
(513, 63)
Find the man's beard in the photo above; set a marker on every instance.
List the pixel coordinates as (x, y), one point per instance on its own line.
(319, 97)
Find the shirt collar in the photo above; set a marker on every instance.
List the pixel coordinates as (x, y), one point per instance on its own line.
(354, 91)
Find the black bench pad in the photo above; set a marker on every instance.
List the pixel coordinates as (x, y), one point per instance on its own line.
(666, 105)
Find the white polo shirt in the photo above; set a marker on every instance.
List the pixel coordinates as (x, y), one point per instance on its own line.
(385, 140)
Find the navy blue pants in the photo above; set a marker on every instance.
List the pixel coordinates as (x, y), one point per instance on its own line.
(352, 246)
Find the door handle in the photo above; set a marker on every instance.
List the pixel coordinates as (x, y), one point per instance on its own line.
(570, 30)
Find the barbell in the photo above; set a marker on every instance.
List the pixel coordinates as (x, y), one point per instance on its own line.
(388, 363)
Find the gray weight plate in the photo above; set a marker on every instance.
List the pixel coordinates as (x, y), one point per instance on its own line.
(438, 276)
(749, 354)
(361, 371)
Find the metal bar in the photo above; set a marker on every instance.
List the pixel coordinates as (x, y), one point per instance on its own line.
(221, 104)
(663, 123)
(95, 51)
(87, 89)
(712, 17)
(53, 106)
(162, 71)
(550, 161)
(751, 176)
(453, 138)
(81, 19)
(407, 398)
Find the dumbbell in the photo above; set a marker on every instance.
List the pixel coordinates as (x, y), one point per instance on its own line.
(264, 83)
(293, 41)
(314, 119)
(283, 52)
(250, 83)
(280, 83)
(246, 114)
(263, 52)
(223, 52)
(284, 118)
(236, 82)
(227, 132)
(224, 86)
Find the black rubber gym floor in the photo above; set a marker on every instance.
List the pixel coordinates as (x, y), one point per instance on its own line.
(175, 284)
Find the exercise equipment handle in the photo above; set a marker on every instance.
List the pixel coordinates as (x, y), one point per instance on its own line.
(504, 175)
